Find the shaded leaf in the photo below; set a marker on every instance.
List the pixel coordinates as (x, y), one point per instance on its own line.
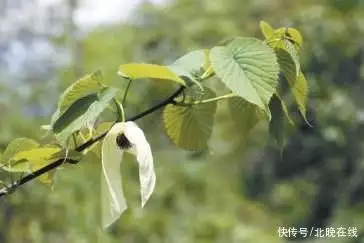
(249, 68)
(276, 125)
(82, 113)
(143, 70)
(190, 127)
(245, 115)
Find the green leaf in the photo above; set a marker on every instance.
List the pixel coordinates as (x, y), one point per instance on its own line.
(276, 125)
(267, 29)
(143, 70)
(82, 113)
(190, 66)
(89, 84)
(300, 91)
(298, 84)
(190, 127)
(245, 115)
(16, 146)
(290, 34)
(249, 68)
(292, 51)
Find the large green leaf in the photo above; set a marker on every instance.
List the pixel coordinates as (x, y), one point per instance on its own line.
(144, 70)
(89, 84)
(82, 113)
(276, 125)
(245, 115)
(190, 127)
(249, 68)
(16, 146)
(298, 84)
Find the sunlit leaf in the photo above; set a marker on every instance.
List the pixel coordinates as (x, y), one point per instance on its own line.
(16, 146)
(143, 70)
(249, 68)
(190, 127)
(82, 113)
(245, 114)
(266, 29)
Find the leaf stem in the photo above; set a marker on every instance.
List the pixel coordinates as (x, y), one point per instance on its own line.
(127, 91)
(197, 102)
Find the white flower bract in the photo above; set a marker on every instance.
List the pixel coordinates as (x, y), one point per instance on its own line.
(112, 196)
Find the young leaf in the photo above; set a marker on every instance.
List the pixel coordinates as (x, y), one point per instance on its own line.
(245, 115)
(249, 68)
(267, 29)
(143, 70)
(300, 91)
(82, 113)
(276, 125)
(190, 127)
(290, 34)
(16, 146)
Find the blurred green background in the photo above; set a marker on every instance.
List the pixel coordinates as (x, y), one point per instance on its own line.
(239, 190)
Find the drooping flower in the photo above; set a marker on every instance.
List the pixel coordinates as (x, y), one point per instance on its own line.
(123, 137)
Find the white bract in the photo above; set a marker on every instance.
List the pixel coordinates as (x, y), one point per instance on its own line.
(112, 196)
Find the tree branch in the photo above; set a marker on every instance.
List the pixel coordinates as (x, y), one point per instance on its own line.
(29, 177)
